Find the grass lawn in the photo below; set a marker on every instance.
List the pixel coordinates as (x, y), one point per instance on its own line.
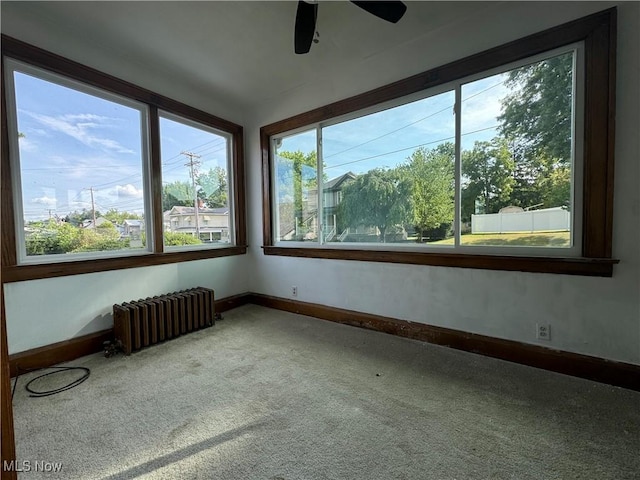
(537, 239)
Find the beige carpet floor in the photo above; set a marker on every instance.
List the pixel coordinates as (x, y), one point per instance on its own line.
(276, 396)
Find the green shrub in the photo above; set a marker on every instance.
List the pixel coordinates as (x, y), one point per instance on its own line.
(175, 239)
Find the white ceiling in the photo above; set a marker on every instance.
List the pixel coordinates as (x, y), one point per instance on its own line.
(241, 52)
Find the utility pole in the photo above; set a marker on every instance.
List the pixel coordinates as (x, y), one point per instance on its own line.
(193, 164)
(93, 206)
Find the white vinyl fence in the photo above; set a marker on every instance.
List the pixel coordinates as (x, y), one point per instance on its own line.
(531, 221)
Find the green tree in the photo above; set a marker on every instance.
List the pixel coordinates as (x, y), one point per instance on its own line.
(556, 188)
(295, 172)
(536, 120)
(430, 174)
(487, 172)
(177, 193)
(104, 237)
(117, 217)
(538, 112)
(76, 218)
(212, 187)
(377, 198)
(51, 237)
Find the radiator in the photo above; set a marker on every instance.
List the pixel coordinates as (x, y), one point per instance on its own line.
(145, 322)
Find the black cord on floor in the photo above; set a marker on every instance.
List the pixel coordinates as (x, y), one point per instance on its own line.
(46, 393)
(15, 384)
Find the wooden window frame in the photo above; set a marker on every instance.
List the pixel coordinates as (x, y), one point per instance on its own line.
(12, 271)
(598, 33)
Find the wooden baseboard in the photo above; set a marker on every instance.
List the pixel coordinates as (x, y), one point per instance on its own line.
(55, 353)
(592, 368)
(77, 347)
(229, 303)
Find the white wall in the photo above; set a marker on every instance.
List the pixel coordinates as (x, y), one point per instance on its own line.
(41, 312)
(593, 316)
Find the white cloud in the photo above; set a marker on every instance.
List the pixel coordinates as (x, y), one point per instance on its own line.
(40, 132)
(128, 191)
(84, 116)
(27, 145)
(78, 126)
(44, 200)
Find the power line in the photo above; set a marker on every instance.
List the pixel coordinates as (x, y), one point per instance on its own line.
(389, 133)
(195, 149)
(449, 107)
(407, 148)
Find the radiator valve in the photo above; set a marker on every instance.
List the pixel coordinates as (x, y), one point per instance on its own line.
(112, 348)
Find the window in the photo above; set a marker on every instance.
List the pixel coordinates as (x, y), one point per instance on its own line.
(99, 174)
(389, 176)
(490, 162)
(519, 186)
(296, 187)
(195, 182)
(81, 177)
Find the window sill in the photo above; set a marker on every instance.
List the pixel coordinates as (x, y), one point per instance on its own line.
(17, 273)
(595, 267)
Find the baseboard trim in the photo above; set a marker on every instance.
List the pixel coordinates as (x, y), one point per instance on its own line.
(77, 347)
(55, 353)
(229, 303)
(592, 368)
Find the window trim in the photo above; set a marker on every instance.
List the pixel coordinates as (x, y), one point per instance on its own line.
(598, 32)
(12, 65)
(13, 271)
(455, 87)
(229, 138)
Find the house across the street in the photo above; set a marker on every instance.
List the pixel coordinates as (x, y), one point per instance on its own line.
(213, 223)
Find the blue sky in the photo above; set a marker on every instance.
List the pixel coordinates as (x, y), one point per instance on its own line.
(177, 137)
(387, 138)
(75, 142)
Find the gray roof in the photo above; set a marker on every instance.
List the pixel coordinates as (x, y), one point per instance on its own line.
(334, 183)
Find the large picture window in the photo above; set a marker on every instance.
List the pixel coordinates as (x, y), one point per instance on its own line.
(80, 168)
(99, 174)
(493, 165)
(390, 176)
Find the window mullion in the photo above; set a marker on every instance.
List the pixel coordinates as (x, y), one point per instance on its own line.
(457, 222)
(320, 188)
(155, 181)
(11, 123)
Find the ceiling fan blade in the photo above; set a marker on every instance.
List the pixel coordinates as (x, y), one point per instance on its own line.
(389, 11)
(305, 26)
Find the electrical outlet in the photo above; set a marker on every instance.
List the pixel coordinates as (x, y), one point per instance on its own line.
(294, 291)
(543, 331)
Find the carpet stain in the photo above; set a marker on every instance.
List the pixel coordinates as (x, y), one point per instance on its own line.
(240, 371)
(406, 448)
(193, 366)
(181, 429)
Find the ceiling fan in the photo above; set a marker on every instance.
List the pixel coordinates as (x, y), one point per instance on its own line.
(307, 13)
